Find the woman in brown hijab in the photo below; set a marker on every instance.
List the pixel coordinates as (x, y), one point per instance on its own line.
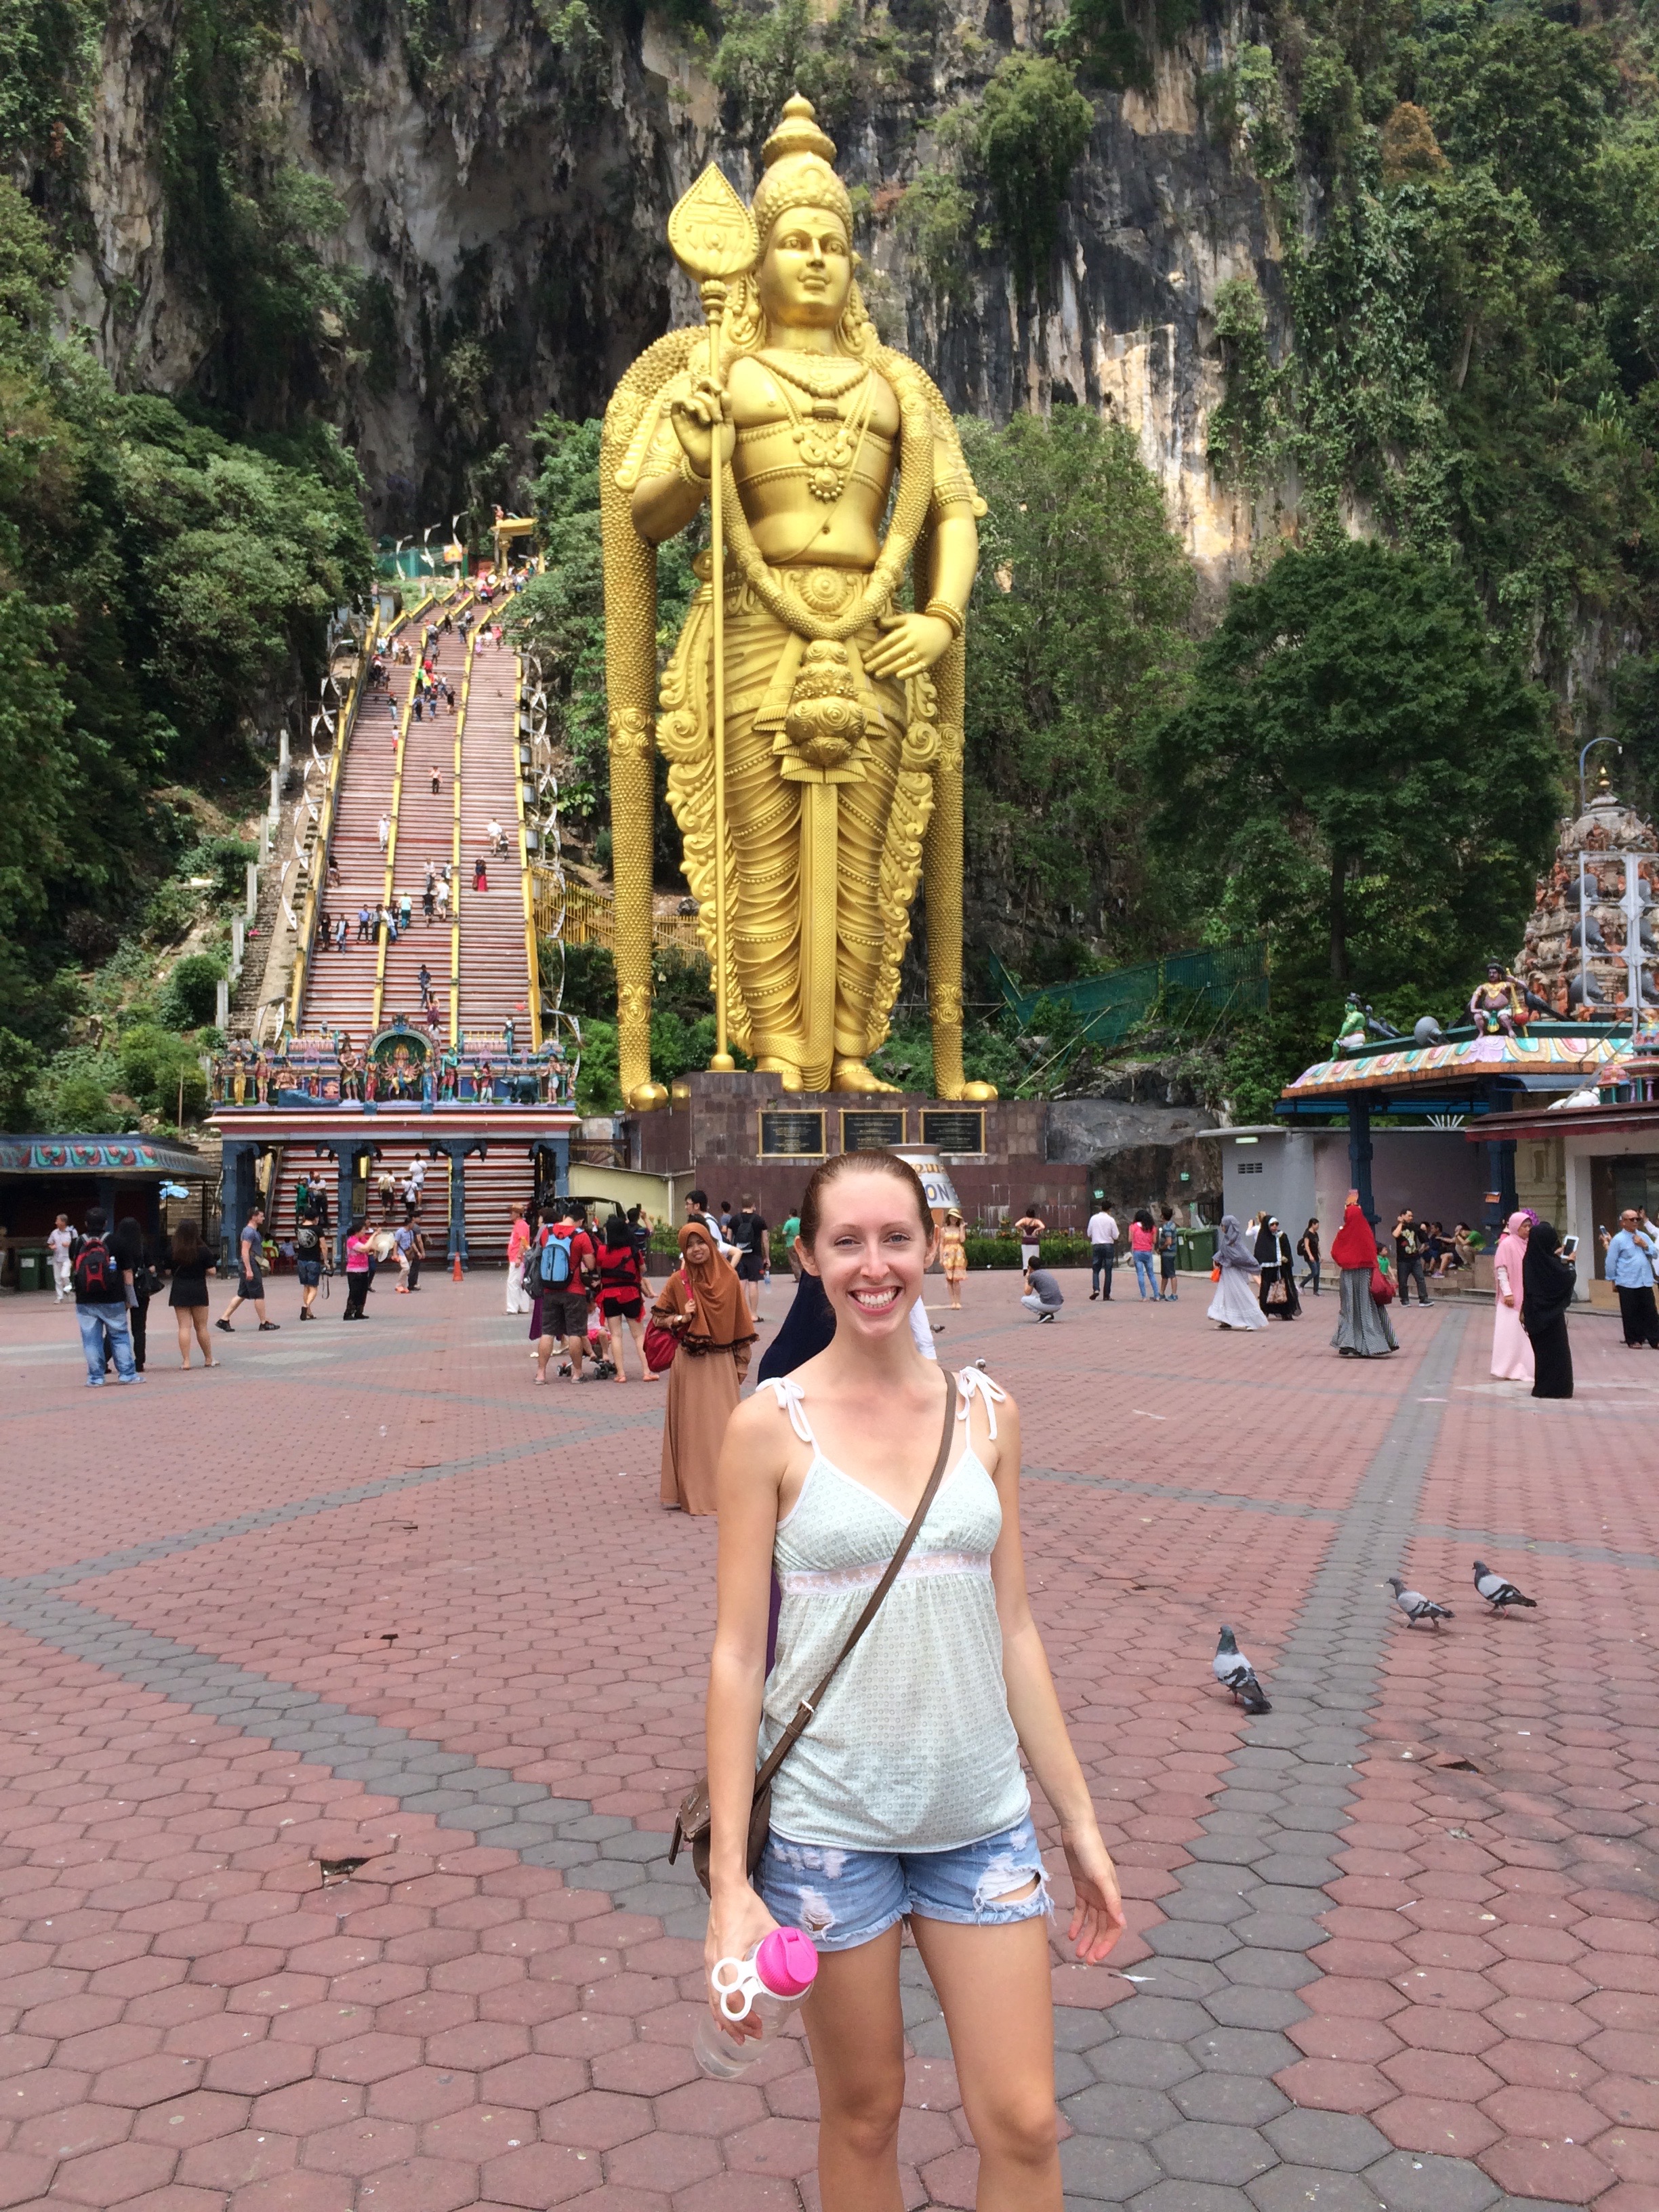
(703, 1304)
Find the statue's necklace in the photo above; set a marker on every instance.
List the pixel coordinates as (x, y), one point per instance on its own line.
(828, 446)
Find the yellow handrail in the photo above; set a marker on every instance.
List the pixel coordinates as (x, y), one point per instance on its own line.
(532, 945)
(319, 885)
(455, 851)
(407, 716)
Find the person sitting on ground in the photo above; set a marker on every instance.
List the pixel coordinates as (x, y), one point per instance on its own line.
(1043, 1295)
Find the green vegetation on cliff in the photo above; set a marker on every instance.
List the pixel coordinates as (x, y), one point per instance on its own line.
(160, 583)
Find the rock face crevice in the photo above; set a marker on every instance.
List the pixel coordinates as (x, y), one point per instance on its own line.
(506, 203)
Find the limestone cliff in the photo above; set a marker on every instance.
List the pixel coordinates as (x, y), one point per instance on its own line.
(506, 201)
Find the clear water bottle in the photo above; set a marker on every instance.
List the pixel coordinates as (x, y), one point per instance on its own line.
(767, 1985)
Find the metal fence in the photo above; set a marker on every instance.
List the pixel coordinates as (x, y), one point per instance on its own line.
(1196, 990)
(590, 918)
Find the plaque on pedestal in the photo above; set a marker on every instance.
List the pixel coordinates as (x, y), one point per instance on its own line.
(957, 1129)
(871, 1128)
(797, 1134)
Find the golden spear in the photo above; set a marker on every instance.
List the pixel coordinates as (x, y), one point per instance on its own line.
(714, 238)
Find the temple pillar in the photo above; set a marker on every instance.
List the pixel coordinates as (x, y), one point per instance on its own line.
(1359, 1155)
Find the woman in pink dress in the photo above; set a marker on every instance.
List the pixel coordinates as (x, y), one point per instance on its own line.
(1512, 1347)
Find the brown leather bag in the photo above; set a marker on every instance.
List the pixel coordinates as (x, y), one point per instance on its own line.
(694, 1821)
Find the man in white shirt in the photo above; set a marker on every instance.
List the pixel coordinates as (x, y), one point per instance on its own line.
(413, 1188)
(1102, 1247)
(385, 831)
(61, 1245)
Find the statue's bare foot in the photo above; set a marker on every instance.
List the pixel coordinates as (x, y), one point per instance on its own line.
(853, 1075)
(786, 1071)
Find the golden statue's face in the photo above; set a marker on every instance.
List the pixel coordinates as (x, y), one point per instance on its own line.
(806, 271)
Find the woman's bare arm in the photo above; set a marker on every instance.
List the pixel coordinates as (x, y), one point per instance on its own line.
(1034, 1706)
(751, 1467)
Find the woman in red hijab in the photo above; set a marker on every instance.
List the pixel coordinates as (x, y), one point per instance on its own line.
(1362, 1331)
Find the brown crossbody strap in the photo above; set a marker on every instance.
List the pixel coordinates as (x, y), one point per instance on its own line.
(786, 1742)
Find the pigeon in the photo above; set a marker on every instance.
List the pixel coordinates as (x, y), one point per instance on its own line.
(1234, 1672)
(1416, 1607)
(1498, 1593)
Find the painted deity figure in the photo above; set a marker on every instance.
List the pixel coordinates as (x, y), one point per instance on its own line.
(1352, 1033)
(1497, 1006)
(843, 710)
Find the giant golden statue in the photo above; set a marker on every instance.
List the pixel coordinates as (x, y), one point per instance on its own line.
(822, 732)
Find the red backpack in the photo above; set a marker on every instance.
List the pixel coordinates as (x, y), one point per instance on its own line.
(96, 1275)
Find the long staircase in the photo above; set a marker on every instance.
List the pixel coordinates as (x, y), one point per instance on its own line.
(495, 955)
(479, 962)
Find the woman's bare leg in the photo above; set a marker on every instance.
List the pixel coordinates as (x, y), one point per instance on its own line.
(182, 1316)
(637, 1330)
(856, 2031)
(617, 1340)
(994, 1987)
(199, 1316)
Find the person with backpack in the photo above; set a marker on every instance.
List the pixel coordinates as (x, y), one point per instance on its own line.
(100, 1305)
(251, 1283)
(622, 1286)
(141, 1281)
(564, 1264)
(308, 1255)
(748, 1234)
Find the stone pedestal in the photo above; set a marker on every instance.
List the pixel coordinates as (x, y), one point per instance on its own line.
(743, 1135)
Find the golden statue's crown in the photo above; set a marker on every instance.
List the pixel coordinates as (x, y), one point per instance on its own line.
(798, 155)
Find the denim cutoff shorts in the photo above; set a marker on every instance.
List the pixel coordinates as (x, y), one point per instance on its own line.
(841, 1898)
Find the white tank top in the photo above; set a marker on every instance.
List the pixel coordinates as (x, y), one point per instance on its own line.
(913, 1748)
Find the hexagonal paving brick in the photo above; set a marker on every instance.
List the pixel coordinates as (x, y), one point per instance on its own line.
(1206, 2150)
(1309, 2189)
(1097, 2168)
(1409, 2182)
(1125, 2113)
(359, 2147)
(202, 2116)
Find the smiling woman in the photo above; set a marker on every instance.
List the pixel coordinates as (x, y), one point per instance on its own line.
(903, 1797)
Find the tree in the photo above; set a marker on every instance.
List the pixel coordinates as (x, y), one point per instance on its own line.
(1076, 640)
(1031, 126)
(1362, 771)
(191, 994)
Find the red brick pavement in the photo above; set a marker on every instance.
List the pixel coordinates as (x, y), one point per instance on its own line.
(195, 2021)
(1492, 1990)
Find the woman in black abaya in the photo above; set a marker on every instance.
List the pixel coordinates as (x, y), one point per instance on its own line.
(1548, 1280)
(1278, 1265)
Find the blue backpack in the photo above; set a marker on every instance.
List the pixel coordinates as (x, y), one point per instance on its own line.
(556, 1259)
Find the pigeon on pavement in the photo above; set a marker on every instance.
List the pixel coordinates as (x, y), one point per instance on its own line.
(1498, 1593)
(1416, 1607)
(1234, 1672)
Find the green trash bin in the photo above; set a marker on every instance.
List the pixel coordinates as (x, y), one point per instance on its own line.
(1195, 1251)
(33, 1272)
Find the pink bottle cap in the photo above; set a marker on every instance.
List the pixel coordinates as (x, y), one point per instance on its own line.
(787, 1963)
